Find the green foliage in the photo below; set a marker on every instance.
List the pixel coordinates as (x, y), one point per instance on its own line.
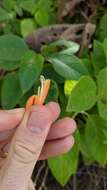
(103, 27)
(96, 138)
(24, 98)
(68, 66)
(49, 72)
(105, 46)
(12, 49)
(53, 93)
(30, 70)
(21, 67)
(27, 5)
(84, 149)
(102, 109)
(59, 165)
(13, 45)
(31, 14)
(42, 17)
(28, 25)
(11, 91)
(5, 16)
(98, 56)
(80, 98)
(102, 84)
(8, 4)
(68, 47)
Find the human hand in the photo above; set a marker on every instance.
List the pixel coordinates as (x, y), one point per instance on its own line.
(60, 130)
(27, 146)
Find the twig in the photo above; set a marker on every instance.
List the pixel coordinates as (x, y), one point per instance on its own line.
(39, 173)
(87, 36)
(66, 7)
(85, 16)
(105, 184)
(74, 183)
(2, 73)
(43, 186)
(1, 2)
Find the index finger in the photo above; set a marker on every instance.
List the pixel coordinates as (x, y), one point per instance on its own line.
(9, 119)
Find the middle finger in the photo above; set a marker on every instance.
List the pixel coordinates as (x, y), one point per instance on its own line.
(62, 128)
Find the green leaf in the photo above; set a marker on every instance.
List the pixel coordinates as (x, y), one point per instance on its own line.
(96, 137)
(68, 66)
(8, 28)
(102, 85)
(50, 73)
(42, 17)
(68, 47)
(88, 65)
(62, 167)
(102, 109)
(45, 12)
(8, 4)
(87, 156)
(83, 95)
(11, 55)
(103, 27)
(71, 47)
(5, 16)
(105, 47)
(25, 97)
(47, 5)
(98, 56)
(11, 91)
(9, 65)
(27, 26)
(16, 26)
(18, 9)
(12, 40)
(32, 65)
(53, 92)
(12, 47)
(28, 5)
(68, 86)
(63, 101)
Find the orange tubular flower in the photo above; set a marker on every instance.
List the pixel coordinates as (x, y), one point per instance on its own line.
(39, 99)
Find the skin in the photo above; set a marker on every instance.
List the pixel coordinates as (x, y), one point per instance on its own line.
(37, 135)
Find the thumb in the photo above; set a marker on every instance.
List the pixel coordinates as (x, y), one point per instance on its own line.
(26, 147)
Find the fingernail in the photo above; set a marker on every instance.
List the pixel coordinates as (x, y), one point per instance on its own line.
(55, 109)
(38, 122)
